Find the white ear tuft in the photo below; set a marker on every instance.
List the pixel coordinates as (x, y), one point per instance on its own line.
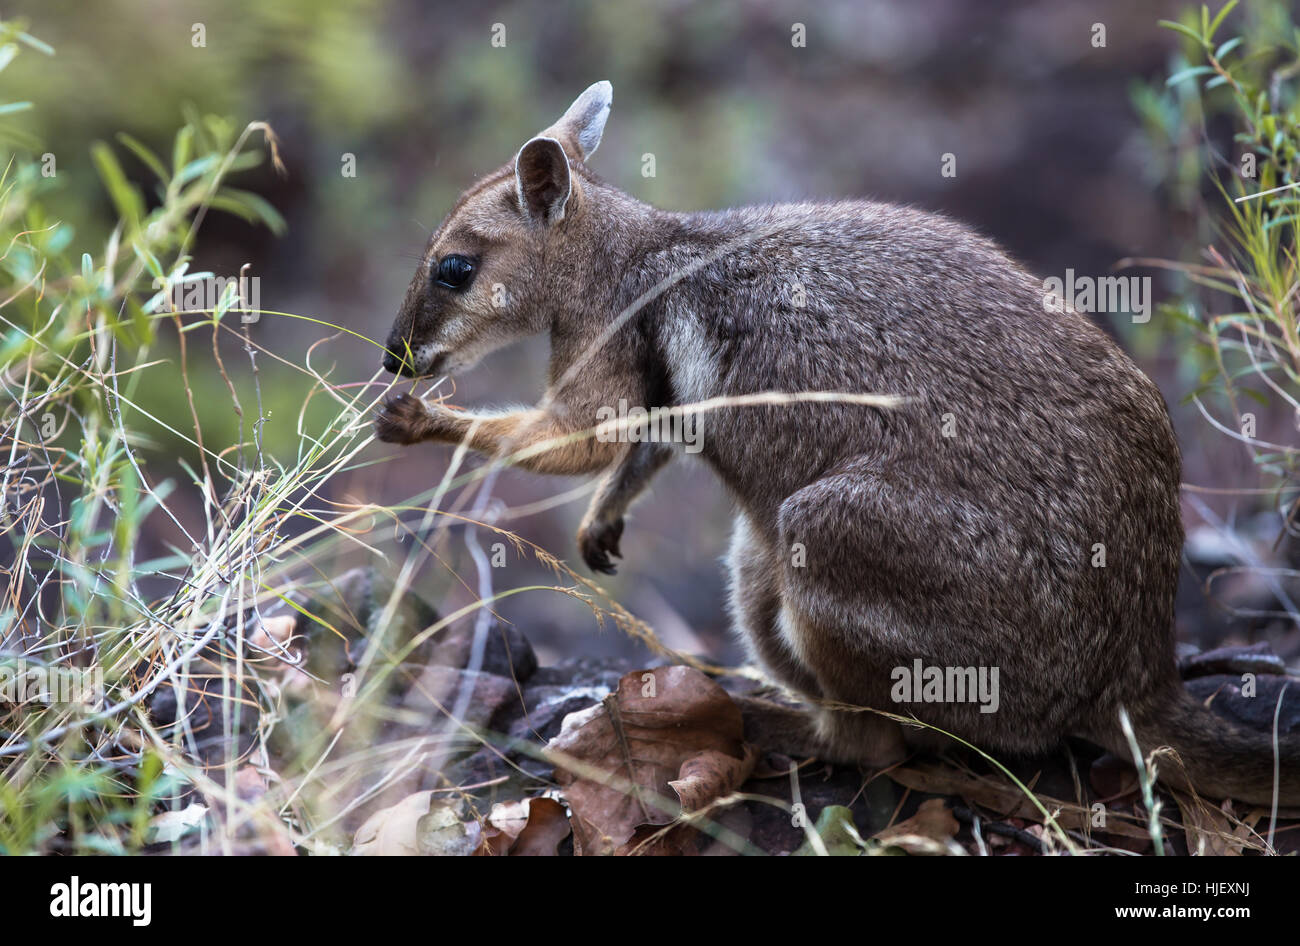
(582, 125)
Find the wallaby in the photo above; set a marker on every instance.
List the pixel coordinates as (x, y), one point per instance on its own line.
(1018, 509)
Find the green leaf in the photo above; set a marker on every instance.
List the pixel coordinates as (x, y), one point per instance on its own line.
(1244, 370)
(1218, 20)
(150, 262)
(58, 241)
(259, 207)
(1178, 77)
(145, 155)
(141, 325)
(197, 168)
(36, 44)
(1171, 25)
(1179, 314)
(181, 148)
(1228, 47)
(124, 196)
(836, 829)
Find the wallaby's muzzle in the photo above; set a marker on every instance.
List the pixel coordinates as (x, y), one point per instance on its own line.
(397, 364)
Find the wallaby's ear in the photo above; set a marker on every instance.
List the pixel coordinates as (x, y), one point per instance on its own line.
(542, 180)
(580, 128)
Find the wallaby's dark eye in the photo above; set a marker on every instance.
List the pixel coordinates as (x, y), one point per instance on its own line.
(454, 271)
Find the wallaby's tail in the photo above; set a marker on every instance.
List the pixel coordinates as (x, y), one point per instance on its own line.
(1219, 758)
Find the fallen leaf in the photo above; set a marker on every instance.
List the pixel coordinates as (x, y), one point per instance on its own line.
(929, 831)
(504, 823)
(547, 827)
(416, 825)
(172, 825)
(393, 831)
(1008, 800)
(533, 827)
(674, 840)
(1210, 830)
(707, 776)
(669, 741)
(838, 834)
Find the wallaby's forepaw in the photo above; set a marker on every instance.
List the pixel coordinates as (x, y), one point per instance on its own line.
(404, 419)
(598, 541)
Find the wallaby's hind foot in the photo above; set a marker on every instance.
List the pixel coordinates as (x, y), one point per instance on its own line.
(859, 737)
(804, 731)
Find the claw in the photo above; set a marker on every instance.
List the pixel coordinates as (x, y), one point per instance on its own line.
(598, 542)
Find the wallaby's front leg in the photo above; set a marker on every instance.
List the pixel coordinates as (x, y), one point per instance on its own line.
(540, 442)
(602, 526)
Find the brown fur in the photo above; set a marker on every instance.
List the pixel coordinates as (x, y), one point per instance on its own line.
(966, 550)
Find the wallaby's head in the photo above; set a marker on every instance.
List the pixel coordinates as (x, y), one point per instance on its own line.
(490, 273)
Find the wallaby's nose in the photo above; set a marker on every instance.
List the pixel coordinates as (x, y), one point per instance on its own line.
(392, 362)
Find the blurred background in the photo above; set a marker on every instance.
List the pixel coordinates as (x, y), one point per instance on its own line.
(1057, 146)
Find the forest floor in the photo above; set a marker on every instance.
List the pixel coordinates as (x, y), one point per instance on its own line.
(592, 756)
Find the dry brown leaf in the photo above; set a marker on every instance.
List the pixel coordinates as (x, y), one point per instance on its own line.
(674, 840)
(619, 762)
(1210, 830)
(1008, 800)
(533, 827)
(548, 825)
(933, 821)
(504, 823)
(416, 825)
(710, 775)
(394, 831)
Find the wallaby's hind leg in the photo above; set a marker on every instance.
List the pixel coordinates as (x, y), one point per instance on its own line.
(764, 624)
(847, 730)
(777, 637)
(755, 605)
(885, 581)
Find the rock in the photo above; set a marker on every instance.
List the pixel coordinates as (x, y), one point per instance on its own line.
(343, 619)
(437, 691)
(551, 694)
(202, 713)
(506, 652)
(1255, 712)
(772, 828)
(546, 707)
(583, 672)
(352, 605)
(1256, 658)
